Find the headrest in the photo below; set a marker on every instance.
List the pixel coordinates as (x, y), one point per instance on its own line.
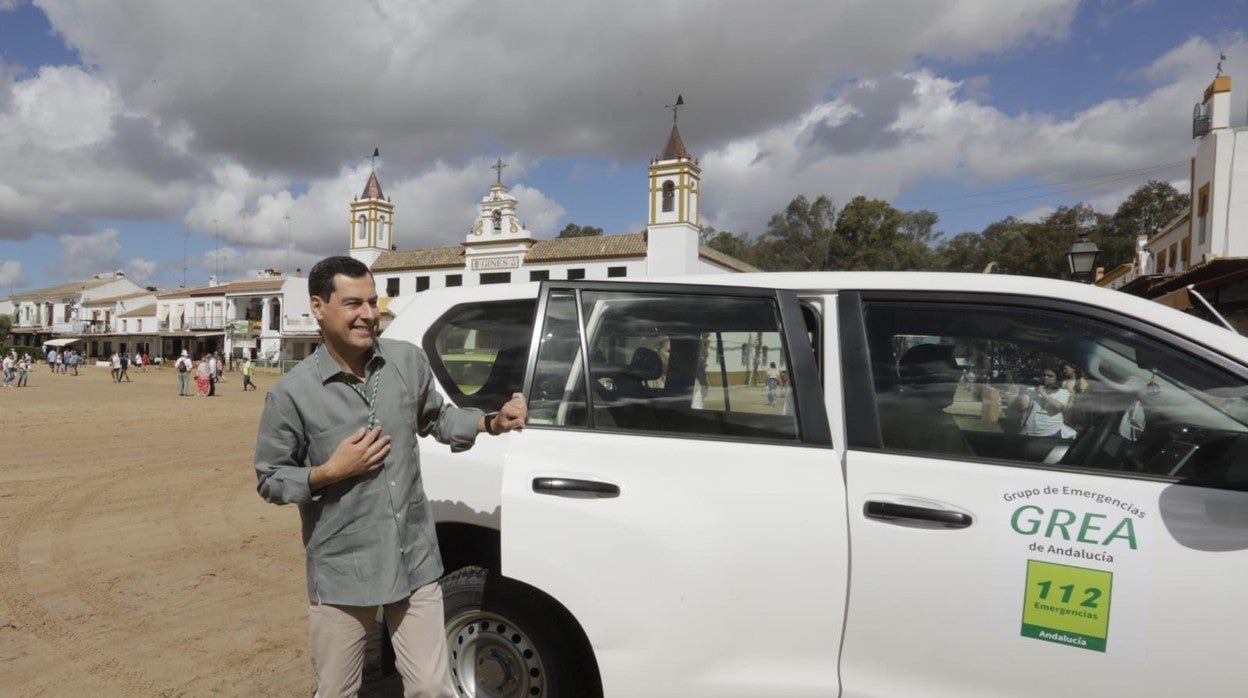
(928, 364)
(646, 364)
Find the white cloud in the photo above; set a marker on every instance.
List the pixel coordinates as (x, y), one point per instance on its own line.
(253, 122)
(84, 256)
(11, 275)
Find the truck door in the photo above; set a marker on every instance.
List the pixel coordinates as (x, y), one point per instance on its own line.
(684, 507)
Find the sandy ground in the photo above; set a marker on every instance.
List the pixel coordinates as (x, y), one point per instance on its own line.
(136, 558)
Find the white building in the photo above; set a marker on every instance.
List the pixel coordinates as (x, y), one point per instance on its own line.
(1206, 247)
(57, 312)
(267, 318)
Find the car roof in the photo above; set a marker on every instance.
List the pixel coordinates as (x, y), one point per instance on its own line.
(1210, 335)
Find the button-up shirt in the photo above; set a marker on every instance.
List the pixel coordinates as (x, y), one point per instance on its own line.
(369, 539)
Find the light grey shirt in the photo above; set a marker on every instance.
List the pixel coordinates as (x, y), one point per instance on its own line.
(370, 539)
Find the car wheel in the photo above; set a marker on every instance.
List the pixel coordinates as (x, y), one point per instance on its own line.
(506, 641)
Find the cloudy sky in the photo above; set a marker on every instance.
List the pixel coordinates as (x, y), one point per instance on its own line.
(176, 140)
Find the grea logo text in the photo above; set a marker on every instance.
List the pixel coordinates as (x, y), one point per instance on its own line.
(1031, 520)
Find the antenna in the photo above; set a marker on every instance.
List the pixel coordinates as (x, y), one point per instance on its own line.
(1221, 57)
(216, 248)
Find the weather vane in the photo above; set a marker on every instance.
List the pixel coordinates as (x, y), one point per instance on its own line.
(498, 167)
(376, 154)
(680, 102)
(1221, 57)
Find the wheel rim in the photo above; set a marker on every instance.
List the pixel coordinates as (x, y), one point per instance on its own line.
(491, 657)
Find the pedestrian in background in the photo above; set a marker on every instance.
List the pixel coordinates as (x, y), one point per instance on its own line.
(23, 370)
(212, 375)
(247, 375)
(10, 368)
(183, 367)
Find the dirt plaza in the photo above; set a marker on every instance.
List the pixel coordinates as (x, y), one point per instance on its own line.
(136, 558)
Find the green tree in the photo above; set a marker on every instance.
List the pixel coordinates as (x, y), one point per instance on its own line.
(6, 325)
(873, 235)
(1145, 212)
(799, 239)
(733, 244)
(573, 230)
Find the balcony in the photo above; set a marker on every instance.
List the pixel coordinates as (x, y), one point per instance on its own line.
(303, 323)
(204, 322)
(70, 327)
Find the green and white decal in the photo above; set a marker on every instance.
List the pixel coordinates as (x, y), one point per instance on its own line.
(1071, 550)
(1067, 605)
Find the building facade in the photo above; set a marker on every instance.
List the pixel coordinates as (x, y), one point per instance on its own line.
(1205, 249)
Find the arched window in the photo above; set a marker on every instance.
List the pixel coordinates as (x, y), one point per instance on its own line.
(381, 231)
(362, 230)
(669, 196)
(498, 220)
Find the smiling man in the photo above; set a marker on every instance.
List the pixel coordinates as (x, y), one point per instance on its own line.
(339, 438)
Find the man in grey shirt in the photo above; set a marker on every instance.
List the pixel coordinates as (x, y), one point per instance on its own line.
(338, 437)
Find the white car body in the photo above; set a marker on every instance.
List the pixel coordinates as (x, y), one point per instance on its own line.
(728, 567)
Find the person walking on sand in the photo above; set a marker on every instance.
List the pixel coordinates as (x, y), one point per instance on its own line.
(183, 367)
(212, 375)
(338, 438)
(23, 370)
(10, 368)
(201, 377)
(125, 365)
(247, 375)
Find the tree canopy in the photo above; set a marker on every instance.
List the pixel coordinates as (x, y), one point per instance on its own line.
(572, 230)
(871, 234)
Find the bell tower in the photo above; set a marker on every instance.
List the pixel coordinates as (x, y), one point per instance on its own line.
(675, 187)
(371, 222)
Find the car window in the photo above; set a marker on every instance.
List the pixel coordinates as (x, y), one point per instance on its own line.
(478, 351)
(1037, 386)
(664, 363)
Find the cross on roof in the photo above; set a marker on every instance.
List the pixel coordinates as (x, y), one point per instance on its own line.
(498, 167)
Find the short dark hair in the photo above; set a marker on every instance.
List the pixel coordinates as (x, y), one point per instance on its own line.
(321, 278)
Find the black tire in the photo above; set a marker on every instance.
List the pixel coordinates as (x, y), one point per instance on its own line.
(507, 640)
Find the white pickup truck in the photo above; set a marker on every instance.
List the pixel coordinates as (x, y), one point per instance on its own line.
(840, 484)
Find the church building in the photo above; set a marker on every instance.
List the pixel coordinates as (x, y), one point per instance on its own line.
(499, 249)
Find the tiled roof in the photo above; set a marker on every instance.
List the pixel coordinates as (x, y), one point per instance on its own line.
(62, 291)
(590, 247)
(244, 286)
(114, 299)
(255, 285)
(426, 258)
(714, 256)
(142, 311)
(372, 190)
(675, 149)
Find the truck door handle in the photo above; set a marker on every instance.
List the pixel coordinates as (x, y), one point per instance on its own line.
(579, 489)
(891, 511)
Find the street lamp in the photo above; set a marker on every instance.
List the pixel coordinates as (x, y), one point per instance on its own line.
(1082, 258)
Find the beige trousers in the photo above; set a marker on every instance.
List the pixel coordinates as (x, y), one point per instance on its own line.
(416, 626)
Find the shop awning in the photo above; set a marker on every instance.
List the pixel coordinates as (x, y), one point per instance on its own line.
(61, 342)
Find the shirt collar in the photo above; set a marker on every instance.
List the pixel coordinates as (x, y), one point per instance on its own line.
(329, 370)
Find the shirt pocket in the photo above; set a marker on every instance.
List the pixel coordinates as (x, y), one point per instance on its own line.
(322, 444)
